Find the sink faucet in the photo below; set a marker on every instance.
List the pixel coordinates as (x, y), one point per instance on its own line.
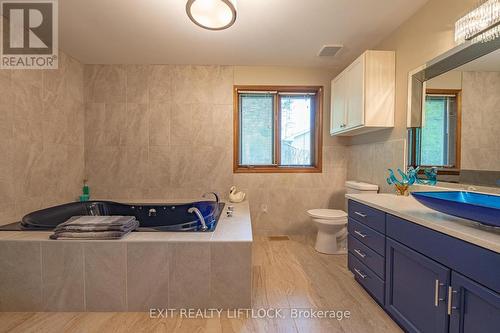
(200, 217)
(206, 194)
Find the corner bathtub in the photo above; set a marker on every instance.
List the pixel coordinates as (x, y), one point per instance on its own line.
(152, 217)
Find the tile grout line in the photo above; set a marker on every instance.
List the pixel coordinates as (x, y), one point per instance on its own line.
(41, 277)
(84, 280)
(126, 277)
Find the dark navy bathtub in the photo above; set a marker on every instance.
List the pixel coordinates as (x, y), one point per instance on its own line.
(152, 217)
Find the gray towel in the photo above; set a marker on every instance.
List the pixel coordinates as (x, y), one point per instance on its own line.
(117, 220)
(95, 227)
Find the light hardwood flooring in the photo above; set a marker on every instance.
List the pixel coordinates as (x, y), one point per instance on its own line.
(286, 274)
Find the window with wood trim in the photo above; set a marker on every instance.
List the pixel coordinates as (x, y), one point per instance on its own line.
(277, 129)
(437, 142)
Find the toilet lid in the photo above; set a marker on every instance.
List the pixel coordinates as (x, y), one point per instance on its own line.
(327, 214)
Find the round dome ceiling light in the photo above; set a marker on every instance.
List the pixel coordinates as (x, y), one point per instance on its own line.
(212, 14)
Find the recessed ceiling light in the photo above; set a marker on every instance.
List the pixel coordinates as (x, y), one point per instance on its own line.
(212, 14)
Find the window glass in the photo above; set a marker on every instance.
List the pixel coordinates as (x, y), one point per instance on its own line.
(438, 141)
(256, 129)
(296, 131)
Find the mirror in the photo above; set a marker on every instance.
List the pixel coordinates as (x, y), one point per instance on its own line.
(454, 115)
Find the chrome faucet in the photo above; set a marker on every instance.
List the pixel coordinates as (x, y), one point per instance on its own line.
(200, 216)
(206, 194)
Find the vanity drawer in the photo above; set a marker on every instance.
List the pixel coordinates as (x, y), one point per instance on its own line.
(373, 218)
(367, 236)
(367, 256)
(367, 278)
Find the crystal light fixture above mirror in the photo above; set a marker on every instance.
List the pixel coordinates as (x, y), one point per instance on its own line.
(212, 14)
(481, 24)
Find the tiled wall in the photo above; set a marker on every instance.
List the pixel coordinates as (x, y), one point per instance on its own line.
(114, 276)
(480, 127)
(369, 162)
(165, 132)
(41, 138)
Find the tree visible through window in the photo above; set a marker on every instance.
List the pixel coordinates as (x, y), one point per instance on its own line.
(277, 129)
(296, 131)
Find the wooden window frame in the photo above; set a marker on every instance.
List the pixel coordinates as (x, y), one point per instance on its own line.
(454, 170)
(317, 128)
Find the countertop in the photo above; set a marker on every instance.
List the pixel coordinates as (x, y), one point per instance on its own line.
(237, 228)
(410, 209)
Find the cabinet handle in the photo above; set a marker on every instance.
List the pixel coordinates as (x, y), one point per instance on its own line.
(360, 234)
(359, 253)
(360, 214)
(450, 290)
(436, 293)
(363, 276)
(450, 300)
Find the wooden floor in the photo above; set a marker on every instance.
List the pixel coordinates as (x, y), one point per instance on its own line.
(287, 274)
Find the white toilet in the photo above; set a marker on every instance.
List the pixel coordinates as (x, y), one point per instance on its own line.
(332, 223)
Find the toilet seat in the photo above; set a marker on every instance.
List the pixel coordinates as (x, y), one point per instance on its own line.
(328, 214)
(339, 222)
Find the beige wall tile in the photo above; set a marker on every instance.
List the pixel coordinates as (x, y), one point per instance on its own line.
(105, 276)
(21, 276)
(136, 129)
(189, 275)
(479, 147)
(137, 83)
(62, 276)
(147, 279)
(105, 83)
(6, 106)
(159, 124)
(231, 275)
(160, 84)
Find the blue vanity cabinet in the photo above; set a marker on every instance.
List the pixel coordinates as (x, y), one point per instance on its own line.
(415, 291)
(470, 294)
(473, 308)
(428, 281)
(366, 247)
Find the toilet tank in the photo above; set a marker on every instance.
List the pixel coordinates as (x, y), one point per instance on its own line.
(353, 187)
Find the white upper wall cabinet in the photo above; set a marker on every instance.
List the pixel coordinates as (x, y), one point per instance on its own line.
(363, 95)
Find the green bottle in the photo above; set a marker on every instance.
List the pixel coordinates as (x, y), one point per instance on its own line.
(85, 192)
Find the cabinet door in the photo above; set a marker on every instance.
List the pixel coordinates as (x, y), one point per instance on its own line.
(339, 102)
(355, 94)
(415, 289)
(473, 307)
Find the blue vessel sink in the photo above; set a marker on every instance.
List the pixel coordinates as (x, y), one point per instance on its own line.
(482, 208)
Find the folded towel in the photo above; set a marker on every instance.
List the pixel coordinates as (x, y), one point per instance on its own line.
(95, 227)
(117, 220)
(89, 235)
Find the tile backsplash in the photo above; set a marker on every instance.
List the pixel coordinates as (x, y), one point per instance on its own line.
(369, 162)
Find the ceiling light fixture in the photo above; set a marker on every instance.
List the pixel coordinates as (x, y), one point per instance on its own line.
(481, 24)
(212, 14)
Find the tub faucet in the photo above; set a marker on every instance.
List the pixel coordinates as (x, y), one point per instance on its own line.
(200, 216)
(206, 194)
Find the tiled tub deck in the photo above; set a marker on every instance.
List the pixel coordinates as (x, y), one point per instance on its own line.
(143, 271)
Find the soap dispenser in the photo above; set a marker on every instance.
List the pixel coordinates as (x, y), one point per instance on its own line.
(85, 192)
